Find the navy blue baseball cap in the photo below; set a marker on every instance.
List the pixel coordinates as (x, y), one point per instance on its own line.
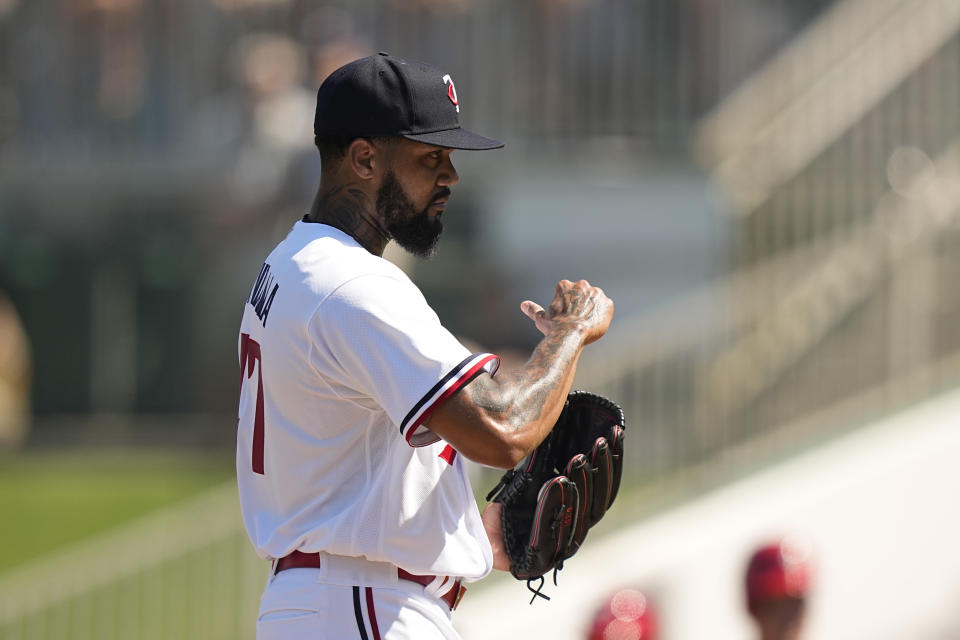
(383, 95)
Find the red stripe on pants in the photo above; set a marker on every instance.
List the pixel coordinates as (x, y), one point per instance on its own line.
(372, 614)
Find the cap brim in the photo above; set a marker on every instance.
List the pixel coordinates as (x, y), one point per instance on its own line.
(455, 139)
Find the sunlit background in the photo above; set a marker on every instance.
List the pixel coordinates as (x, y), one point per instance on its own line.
(768, 189)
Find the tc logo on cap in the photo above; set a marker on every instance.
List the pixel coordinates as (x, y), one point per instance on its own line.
(451, 91)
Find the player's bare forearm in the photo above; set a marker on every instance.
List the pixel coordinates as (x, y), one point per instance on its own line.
(498, 420)
(525, 403)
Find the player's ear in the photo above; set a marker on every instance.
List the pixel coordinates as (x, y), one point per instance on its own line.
(361, 157)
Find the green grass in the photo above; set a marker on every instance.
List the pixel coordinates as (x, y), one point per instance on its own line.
(49, 501)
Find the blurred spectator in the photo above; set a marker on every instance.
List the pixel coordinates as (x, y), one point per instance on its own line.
(7, 6)
(15, 373)
(242, 5)
(549, 5)
(446, 6)
(626, 615)
(778, 581)
(332, 39)
(272, 68)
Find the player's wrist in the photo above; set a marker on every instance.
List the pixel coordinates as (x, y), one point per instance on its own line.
(570, 330)
(568, 325)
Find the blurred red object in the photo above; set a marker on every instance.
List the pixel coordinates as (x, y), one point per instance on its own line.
(627, 615)
(779, 570)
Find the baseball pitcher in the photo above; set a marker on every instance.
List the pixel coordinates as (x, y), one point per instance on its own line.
(357, 406)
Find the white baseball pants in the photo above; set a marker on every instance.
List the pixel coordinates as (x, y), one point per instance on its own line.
(296, 606)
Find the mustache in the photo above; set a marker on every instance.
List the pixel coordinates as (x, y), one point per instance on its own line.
(441, 194)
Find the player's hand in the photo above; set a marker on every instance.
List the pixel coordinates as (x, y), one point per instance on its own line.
(575, 305)
(494, 528)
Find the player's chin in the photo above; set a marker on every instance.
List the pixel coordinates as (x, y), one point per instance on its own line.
(418, 235)
(422, 246)
(425, 252)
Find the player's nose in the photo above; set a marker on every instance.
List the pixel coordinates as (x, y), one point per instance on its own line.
(448, 174)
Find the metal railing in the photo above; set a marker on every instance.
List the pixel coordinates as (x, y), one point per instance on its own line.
(842, 178)
(808, 146)
(872, 315)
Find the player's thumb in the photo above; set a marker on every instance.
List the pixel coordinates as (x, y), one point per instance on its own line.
(536, 313)
(531, 309)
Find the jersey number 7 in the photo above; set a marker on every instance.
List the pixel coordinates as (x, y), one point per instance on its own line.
(250, 356)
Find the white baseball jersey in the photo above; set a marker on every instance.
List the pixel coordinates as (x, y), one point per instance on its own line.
(342, 360)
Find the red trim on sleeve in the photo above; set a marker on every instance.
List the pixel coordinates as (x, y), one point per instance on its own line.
(461, 380)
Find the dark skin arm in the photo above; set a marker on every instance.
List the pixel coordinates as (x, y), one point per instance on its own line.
(498, 420)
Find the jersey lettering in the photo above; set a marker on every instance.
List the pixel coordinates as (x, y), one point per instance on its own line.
(259, 297)
(249, 356)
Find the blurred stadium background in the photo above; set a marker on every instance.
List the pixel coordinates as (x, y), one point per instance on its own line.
(769, 190)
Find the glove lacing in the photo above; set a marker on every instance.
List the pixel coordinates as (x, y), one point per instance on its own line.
(538, 591)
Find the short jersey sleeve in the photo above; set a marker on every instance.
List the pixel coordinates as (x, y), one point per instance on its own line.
(376, 335)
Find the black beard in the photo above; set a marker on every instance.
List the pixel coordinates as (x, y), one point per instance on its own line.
(412, 230)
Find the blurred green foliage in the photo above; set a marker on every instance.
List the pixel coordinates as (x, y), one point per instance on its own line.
(52, 500)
